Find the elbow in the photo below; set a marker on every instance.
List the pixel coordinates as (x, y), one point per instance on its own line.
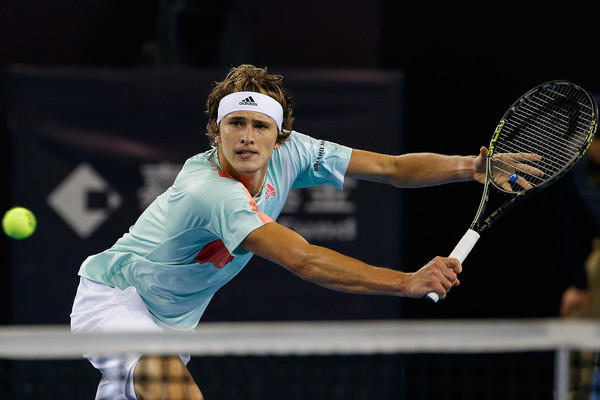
(300, 269)
(299, 262)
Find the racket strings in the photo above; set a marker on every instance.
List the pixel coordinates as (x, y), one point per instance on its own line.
(552, 160)
(555, 128)
(503, 172)
(553, 123)
(562, 123)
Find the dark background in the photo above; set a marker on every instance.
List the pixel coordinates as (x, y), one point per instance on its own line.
(463, 64)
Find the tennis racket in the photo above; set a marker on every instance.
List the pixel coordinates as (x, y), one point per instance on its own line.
(541, 136)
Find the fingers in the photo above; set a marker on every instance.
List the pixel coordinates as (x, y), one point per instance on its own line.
(530, 169)
(506, 186)
(522, 156)
(439, 276)
(517, 158)
(506, 183)
(508, 167)
(453, 264)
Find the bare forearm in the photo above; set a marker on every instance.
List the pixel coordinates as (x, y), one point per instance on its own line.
(335, 271)
(411, 170)
(428, 169)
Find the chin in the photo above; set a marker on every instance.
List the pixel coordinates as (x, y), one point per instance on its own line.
(247, 169)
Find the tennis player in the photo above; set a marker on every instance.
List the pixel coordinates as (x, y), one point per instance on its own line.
(221, 210)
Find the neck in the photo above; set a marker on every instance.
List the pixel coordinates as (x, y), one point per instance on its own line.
(253, 181)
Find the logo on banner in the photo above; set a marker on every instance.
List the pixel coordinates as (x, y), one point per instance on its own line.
(323, 213)
(84, 200)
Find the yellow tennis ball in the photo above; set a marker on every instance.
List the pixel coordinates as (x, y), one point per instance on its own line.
(19, 223)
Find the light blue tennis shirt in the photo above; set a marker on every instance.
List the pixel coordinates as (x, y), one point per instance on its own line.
(185, 245)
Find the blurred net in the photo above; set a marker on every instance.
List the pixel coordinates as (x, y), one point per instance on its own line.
(503, 359)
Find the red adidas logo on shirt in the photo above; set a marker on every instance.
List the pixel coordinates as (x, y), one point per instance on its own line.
(270, 191)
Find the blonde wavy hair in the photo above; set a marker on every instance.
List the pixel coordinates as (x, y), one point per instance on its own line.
(249, 78)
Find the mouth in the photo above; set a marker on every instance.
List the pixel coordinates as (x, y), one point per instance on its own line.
(245, 153)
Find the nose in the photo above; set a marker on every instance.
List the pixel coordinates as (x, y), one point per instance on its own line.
(248, 135)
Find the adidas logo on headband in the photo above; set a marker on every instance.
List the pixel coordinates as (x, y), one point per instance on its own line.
(248, 101)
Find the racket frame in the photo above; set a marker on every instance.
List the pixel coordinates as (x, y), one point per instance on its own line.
(467, 242)
(519, 196)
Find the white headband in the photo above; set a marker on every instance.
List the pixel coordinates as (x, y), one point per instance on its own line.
(251, 101)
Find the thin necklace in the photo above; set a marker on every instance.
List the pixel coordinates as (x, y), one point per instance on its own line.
(257, 195)
(262, 186)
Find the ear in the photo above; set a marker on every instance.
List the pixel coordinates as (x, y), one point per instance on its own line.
(218, 138)
(276, 146)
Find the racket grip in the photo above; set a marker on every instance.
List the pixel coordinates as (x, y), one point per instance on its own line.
(461, 251)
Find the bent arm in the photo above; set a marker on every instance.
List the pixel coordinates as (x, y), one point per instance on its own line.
(416, 169)
(336, 271)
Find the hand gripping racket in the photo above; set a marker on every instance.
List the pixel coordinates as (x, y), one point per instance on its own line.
(541, 136)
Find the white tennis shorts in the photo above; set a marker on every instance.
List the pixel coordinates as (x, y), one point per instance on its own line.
(100, 308)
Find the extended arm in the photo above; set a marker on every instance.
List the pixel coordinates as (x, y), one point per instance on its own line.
(416, 169)
(335, 271)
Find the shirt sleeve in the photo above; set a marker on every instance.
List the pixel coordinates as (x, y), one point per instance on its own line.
(317, 161)
(230, 213)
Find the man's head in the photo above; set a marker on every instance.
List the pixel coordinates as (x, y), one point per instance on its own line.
(248, 78)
